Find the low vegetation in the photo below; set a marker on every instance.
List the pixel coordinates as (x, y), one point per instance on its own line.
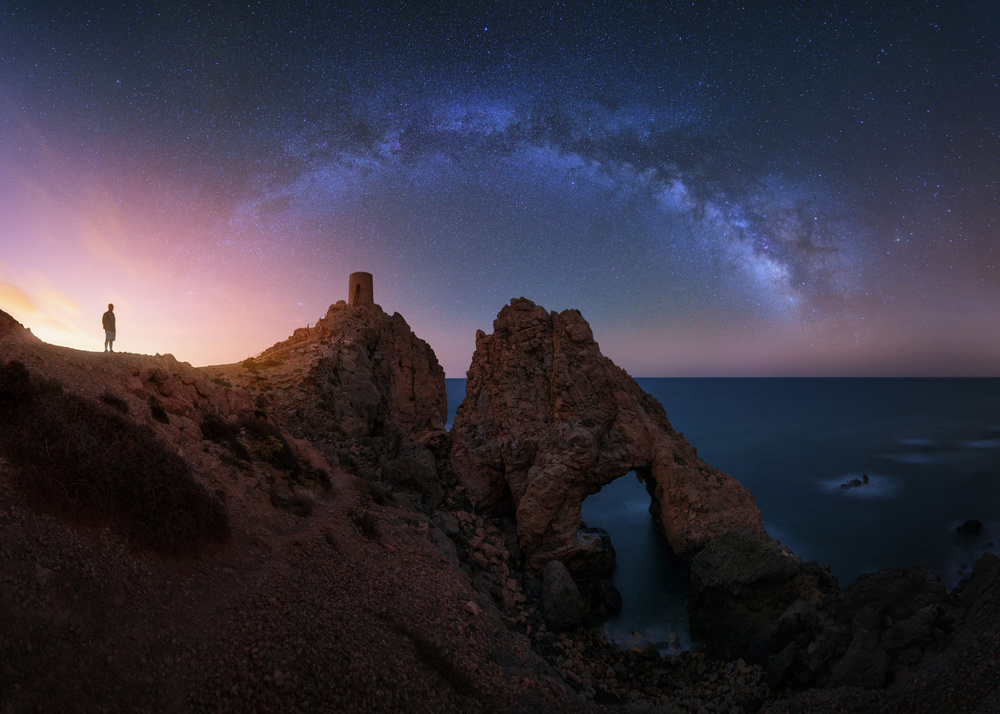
(86, 460)
(252, 438)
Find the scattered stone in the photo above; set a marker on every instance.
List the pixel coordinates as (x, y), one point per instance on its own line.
(43, 575)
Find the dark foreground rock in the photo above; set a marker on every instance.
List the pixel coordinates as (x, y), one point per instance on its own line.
(944, 656)
(562, 605)
(746, 588)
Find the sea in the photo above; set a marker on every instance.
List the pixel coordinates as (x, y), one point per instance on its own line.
(930, 449)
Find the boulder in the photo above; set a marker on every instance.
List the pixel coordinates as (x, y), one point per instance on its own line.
(973, 526)
(595, 556)
(750, 595)
(781, 666)
(865, 664)
(563, 607)
(548, 420)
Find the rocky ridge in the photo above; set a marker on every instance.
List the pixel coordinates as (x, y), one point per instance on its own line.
(328, 594)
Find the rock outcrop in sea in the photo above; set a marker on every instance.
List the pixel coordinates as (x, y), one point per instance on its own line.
(548, 420)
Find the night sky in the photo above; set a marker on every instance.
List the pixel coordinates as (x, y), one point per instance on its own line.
(721, 188)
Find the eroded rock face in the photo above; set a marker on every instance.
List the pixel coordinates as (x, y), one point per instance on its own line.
(363, 387)
(547, 420)
(375, 374)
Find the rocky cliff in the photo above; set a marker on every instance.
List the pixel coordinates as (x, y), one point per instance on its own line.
(363, 388)
(367, 371)
(548, 420)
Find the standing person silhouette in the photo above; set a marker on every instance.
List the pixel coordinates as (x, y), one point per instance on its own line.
(108, 320)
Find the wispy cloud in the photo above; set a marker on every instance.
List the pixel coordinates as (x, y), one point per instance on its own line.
(61, 301)
(13, 298)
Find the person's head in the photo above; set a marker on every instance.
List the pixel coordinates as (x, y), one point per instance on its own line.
(110, 306)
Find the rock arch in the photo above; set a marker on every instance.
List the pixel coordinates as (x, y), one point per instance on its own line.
(548, 420)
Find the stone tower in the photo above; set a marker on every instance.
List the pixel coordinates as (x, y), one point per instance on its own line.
(360, 290)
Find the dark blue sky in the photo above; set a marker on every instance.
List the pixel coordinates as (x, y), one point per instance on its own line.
(720, 188)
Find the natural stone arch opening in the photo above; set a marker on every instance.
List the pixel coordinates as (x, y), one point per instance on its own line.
(653, 583)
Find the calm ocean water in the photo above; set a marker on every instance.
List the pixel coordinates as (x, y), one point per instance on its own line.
(930, 447)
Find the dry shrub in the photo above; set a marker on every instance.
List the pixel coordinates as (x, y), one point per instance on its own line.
(84, 459)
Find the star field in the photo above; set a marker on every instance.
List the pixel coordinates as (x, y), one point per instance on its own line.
(791, 189)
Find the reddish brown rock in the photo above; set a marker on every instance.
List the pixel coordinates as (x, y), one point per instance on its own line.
(364, 388)
(547, 420)
(366, 370)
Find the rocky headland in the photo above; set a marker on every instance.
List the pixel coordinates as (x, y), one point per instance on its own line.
(547, 420)
(298, 532)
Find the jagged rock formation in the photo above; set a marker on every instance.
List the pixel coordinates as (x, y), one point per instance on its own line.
(873, 633)
(371, 374)
(547, 420)
(365, 389)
